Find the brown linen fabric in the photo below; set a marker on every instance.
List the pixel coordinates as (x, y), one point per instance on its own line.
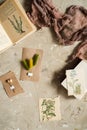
(68, 27)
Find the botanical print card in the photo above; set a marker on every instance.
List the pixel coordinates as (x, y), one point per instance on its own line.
(31, 64)
(15, 21)
(11, 84)
(75, 82)
(81, 65)
(49, 109)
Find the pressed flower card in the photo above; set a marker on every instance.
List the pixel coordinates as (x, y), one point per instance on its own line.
(75, 82)
(49, 109)
(11, 84)
(80, 66)
(14, 24)
(31, 64)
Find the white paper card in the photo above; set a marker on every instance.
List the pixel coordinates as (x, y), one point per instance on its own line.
(75, 82)
(5, 41)
(83, 65)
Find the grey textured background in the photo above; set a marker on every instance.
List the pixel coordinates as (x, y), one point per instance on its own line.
(21, 112)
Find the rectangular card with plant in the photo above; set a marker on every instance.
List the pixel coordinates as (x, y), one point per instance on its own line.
(11, 84)
(75, 82)
(14, 24)
(49, 109)
(31, 64)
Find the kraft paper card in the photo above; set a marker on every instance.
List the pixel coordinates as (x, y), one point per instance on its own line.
(11, 84)
(33, 74)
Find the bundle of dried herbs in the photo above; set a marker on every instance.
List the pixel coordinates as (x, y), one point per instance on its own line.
(29, 63)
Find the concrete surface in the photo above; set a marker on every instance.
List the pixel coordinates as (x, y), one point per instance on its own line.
(21, 112)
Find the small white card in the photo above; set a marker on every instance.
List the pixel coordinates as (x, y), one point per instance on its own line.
(75, 82)
(81, 65)
(49, 109)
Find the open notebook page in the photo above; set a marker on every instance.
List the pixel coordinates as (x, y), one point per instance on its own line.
(5, 41)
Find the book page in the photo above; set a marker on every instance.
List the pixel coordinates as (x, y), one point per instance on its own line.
(14, 20)
(5, 41)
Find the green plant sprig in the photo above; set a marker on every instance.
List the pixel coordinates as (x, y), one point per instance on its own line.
(48, 109)
(17, 24)
(26, 63)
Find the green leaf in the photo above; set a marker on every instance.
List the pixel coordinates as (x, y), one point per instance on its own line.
(17, 24)
(44, 102)
(25, 64)
(78, 89)
(52, 114)
(35, 59)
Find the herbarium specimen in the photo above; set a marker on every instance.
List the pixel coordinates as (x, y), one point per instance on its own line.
(17, 24)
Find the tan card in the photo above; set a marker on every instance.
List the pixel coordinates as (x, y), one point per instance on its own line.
(49, 109)
(11, 84)
(32, 74)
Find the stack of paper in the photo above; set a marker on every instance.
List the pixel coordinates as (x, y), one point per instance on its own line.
(75, 81)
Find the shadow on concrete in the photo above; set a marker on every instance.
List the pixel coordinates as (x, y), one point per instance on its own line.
(59, 76)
